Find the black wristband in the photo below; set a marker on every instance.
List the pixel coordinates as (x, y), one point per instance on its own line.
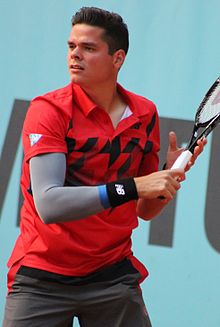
(121, 191)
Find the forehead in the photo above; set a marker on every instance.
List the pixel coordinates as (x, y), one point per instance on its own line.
(84, 32)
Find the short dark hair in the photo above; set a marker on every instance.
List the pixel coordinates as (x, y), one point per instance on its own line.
(116, 31)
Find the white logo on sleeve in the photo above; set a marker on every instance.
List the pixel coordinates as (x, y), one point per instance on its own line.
(34, 138)
(120, 189)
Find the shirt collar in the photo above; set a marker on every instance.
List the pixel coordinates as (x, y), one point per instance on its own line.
(135, 102)
(82, 100)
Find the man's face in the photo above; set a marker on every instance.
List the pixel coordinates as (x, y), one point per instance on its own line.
(89, 62)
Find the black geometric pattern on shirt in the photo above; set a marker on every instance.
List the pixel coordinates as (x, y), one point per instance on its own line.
(89, 144)
(70, 124)
(72, 182)
(150, 126)
(106, 148)
(71, 143)
(77, 165)
(131, 145)
(126, 165)
(148, 147)
(115, 151)
(136, 126)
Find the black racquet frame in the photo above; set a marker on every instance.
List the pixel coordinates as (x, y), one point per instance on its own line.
(209, 125)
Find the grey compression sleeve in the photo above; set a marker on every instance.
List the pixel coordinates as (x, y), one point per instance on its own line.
(54, 202)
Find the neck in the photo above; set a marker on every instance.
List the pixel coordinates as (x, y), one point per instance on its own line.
(105, 96)
(108, 98)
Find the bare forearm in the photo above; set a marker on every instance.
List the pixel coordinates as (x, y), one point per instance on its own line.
(156, 190)
(147, 209)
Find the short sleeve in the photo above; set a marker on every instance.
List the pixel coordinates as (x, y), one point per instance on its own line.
(44, 129)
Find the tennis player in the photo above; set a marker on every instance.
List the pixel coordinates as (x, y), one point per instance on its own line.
(90, 168)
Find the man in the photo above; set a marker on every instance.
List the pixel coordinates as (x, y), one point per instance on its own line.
(90, 168)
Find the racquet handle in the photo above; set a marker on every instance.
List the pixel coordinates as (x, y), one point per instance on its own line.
(182, 160)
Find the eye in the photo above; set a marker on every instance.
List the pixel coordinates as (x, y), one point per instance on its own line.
(71, 46)
(89, 48)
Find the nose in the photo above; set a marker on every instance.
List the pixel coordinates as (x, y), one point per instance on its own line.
(75, 53)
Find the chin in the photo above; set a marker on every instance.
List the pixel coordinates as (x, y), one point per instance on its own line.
(79, 81)
(75, 79)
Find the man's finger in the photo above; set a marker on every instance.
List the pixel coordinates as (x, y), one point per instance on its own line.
(172, 141)
(177, 172)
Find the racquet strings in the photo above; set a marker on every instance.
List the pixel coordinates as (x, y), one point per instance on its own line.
(210, 107)
(208, 117)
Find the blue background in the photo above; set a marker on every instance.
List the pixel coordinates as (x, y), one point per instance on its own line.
(174, 57)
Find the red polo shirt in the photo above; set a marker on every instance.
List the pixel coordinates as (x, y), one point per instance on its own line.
(67, 121)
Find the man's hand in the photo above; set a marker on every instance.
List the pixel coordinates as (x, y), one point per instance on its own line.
(157, 189)
(198, 149)
(174, 151)
(163, 184)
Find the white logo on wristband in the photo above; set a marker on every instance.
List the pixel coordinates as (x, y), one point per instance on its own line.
(120, 189)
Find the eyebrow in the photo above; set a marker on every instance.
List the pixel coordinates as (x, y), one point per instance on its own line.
(83, 43)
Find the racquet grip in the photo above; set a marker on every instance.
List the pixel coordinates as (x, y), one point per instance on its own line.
(182, 160)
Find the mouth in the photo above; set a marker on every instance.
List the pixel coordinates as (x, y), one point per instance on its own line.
(76, 67)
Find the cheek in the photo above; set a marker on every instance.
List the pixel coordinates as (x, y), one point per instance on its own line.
(102, 64)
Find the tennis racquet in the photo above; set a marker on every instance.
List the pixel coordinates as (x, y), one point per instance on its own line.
(207, 118)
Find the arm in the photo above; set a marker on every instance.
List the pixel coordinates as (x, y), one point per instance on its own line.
(54, 202)
(163, 184)
(148, 208)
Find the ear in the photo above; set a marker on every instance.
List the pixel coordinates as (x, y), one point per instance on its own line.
(119, 58)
